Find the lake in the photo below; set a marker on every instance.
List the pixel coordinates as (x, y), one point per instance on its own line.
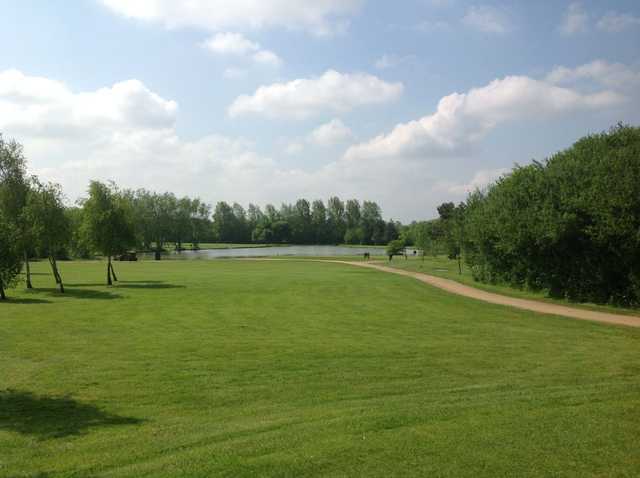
(307, 251)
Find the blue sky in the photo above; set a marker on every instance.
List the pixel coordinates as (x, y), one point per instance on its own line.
(407, 103)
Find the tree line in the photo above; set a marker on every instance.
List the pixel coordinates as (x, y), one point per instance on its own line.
(36, 223)
(303, 222)
(569, 225)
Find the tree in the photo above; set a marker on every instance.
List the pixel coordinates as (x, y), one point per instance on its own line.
(14, 188)
(108, 226)
(352, 214)
(241, 231)
(452, 218)
(301, 228)
(568, 225)
(353, 235)
(335, 220)
(426, 236)
(371, 223)
(281, 231)
(46, 213)
(319, 222)
(395, 248)
(79, 245)
(391, 232)
(200, 222)
(182, 225)
(224, 222)
(10, 256)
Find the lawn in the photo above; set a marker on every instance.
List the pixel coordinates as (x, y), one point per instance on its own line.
(297, 368)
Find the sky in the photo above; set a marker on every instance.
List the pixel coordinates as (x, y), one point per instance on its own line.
(409, 103)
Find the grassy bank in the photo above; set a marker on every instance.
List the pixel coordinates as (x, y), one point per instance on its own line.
(295, 368)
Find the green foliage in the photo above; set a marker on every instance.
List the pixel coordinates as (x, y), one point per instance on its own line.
(107, 220)
(570, 225)
(79, 245)
(10, 255)
(14, 183)
(354, 235)
(304, 223)
(395, 247)
(47, 216)
(452, 226)
(162, 218)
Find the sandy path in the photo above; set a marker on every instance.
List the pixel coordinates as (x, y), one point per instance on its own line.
(533, 305)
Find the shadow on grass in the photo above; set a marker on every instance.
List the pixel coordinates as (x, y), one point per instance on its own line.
(81, 293)
(141, 282)
(132, 284)
(85, 284)
(25, 300)
(148, 285)
(53, 417)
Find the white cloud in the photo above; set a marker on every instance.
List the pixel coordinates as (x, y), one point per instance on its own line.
(266, 57)
(487, 19)
(576, 20)
(321, 17)
(612, 75)
(35, 105)
(480, 180)
(230, 44)
(236, 44)
(333, 132)
(306, 97)
(461, 120)
(615, 22)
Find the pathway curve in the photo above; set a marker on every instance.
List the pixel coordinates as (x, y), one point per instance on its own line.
(533, 305)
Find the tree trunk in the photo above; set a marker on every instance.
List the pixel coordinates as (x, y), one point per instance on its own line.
(459, 264)
(28, 270)
(54, 269)
(56, 273)
(2, 296)
(109, 271)
(113, 272)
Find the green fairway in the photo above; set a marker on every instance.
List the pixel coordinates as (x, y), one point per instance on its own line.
(298, 368)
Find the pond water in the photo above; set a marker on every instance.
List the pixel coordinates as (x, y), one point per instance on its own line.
(319, 251)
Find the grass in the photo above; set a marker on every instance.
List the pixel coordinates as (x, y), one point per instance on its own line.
(293, 368)
(442, 266)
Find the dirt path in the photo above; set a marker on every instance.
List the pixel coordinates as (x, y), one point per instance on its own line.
(533, 305)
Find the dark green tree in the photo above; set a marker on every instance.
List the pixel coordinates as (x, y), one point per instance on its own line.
(108, 226)
(45, 211)
(10, 255)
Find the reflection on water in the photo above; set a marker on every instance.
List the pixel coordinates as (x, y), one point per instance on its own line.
(320, 251)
